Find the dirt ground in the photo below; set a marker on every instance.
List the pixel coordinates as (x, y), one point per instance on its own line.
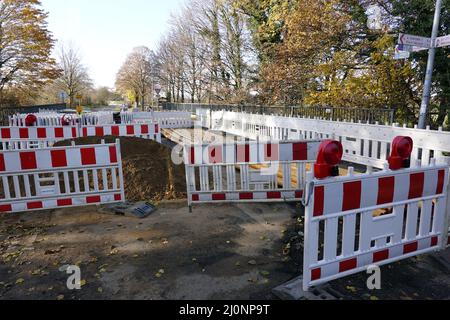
(225, 252)
(148, 171)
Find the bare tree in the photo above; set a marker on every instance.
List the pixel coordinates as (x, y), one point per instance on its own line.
(138, 75)
(75, 79)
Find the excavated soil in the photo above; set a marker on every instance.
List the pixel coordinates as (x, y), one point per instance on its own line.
(148, 171)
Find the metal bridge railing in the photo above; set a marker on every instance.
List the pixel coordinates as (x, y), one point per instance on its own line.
(365, 115)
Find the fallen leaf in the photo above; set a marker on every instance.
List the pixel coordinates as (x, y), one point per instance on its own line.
(20, 281)
(374, 298)
(162, 271)
(352, 289)
(252, 262)
(60, 297)
(100, 290)
(265, 273)
(83, 283)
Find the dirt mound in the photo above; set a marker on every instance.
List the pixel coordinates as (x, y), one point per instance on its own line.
(148, 171)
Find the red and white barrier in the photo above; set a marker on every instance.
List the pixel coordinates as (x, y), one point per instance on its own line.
(383, 217)
(248, 172)
(38, 133)
(147, 131)
(60, 177)
(251, 152)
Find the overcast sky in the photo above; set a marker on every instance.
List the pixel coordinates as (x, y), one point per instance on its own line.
(105, 31)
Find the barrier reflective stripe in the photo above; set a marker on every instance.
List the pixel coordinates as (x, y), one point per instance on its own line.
(250, 196)
(146, 131)
(37, 133)
(370, 219)
(251, 152)
(60, 177)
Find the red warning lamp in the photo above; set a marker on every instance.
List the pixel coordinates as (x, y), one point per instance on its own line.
(30, 120)
(66, 120)
(402, 148)
(330, 154)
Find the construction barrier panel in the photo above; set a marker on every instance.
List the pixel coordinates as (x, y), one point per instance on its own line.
(356, 221)
(248, 172)
(60, 177)
(146, 131)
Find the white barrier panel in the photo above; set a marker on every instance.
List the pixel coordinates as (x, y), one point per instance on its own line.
(248, 172)
(167, 120)
(363, 143)
(60, 177)
(24, 144)
(38, 133)
(255, 152)
(356, 221)
(246, 182)
(146, 131)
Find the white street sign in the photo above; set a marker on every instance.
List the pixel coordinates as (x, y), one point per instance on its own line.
(443, 41)
(399, 54)
(405, 47)
(409, 39)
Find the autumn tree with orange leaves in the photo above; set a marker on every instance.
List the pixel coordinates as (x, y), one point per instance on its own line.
(25, 48)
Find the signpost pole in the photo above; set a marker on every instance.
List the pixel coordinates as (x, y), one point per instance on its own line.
(430, 67)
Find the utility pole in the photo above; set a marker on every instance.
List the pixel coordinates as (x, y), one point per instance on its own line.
(430, 67)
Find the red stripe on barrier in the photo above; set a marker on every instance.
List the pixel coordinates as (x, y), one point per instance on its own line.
(273, 195)
(386, 190)
(112, 154)
(99, 132)
(243, 153)
(115, 131)
(59, 158)
(246, 196)
(316, 274)
(41, 133)
(192, 156)
(145, 129)
(5, 208)
(88, 156)
(93, 199)
(117, 197)
(6, 133)
(215, 155)
(271, 152)
(352, 196)
(85, 132)
(300, 151)
(59, 133)
(411, 247)
(74, 132)
(28, 160)
(416, 184)
(381, 256)
(434, 242)
(319, 197)
(440, 183)
(298, 194)
(156, 128)
(219, 197)
(35, 205)
(195, 197)
(130, 130)
(348, 265)
(23, 133)
(64, 202)
(2, 162)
